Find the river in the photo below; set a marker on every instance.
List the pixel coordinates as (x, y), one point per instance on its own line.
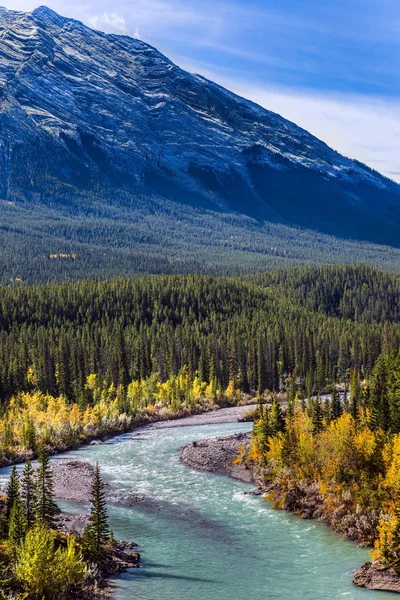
(204, 539)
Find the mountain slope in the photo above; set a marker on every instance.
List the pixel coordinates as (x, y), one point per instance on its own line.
(87, 118)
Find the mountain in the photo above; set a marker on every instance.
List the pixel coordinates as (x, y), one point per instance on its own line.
(105, 129)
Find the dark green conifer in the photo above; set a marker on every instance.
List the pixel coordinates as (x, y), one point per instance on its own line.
(45, 507)
(336, 403)
(12, 491)
(355, 394)
(277, 422)
(97, 532)
(28, 493)
(317, 416)
(17, 524)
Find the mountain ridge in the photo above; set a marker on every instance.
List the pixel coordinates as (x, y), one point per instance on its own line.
(108, 117)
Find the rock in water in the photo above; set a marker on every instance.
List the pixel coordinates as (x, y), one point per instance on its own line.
(374, 576)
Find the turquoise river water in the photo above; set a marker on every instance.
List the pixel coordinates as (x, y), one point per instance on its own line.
(202, 538)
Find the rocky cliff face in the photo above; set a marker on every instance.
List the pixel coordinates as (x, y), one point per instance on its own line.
(109, 116)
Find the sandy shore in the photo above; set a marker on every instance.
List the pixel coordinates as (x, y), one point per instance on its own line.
(223, 415)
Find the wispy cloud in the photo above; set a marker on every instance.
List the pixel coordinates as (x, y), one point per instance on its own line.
(108, 22)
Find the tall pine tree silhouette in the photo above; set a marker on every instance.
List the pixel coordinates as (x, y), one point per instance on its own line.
(28, 493)
(12, 491)
(97, 532)
(17, 524)
(45, 507)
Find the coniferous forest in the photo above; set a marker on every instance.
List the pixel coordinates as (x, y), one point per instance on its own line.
(313, 324)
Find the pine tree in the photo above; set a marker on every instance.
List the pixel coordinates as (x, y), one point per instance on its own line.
(259, 411)
(28, 493)
(291, 397)
(355, 394)
(97, 531)
(277, 422)
(327, 410)
(262, 429)
(17, 524)
(45, 507)
(317, 416)
(336, 403)
(379, 398)
(12, 491)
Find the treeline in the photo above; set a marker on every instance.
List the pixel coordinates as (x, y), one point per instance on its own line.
(357, 292)
(34, 420)
(221, 330)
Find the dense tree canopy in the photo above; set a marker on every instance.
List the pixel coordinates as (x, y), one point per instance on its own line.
(256, 333)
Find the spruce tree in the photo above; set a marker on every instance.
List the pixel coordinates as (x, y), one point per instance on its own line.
(317, 416)
(97, 532)
(12, 491)
(45, 507)
(262, 429)
(28, 493)
(355, 394)
(379, 398)
(336, 403)
(17, 524)
(327, 410)
(277, 421)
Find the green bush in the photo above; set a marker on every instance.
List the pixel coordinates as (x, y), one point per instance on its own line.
(44, 571)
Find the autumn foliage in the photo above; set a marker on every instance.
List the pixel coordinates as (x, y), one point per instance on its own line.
(342, 468)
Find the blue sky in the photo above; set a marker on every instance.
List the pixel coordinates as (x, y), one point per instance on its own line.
(332, 66)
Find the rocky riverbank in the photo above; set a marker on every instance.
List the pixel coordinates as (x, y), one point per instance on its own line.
(374, 576)
(217, 455)
(72, 481)
(302, 498)
(208, 414)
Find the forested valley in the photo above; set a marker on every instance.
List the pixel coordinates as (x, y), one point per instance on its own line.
(85, 359)
(99, 240)
(316, 348)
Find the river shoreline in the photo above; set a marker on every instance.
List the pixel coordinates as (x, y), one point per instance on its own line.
(209, 416)
(202, 522)
(216, 455)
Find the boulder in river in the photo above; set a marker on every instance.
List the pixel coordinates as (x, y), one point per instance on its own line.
(375, 576)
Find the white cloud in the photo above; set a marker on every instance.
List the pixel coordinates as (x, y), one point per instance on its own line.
(108, 22)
